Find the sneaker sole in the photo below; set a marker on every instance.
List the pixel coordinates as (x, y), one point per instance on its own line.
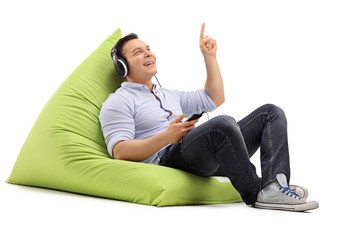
(288, 207)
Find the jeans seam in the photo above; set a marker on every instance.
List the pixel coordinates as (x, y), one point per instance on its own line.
(253, 119)
(270, 150)
(234, 155)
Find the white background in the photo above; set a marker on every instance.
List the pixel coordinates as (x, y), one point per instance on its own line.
(303, 56)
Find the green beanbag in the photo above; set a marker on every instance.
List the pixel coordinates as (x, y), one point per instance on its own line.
(65, 148)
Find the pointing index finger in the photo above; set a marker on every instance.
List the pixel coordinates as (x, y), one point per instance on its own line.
(202, 31)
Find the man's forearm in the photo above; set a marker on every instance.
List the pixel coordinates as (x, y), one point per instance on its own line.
(139, 150)
(214, 84)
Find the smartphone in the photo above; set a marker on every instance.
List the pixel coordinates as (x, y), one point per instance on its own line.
(195, 116)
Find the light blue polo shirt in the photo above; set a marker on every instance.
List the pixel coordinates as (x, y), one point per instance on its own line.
(133, 112)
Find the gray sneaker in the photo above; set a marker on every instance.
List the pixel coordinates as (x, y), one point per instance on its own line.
(279, 196)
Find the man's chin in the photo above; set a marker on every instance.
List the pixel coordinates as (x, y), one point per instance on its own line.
(151, 70)
(153, 73)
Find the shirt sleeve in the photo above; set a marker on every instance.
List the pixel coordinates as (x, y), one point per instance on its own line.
(195, 102)
(117, 121)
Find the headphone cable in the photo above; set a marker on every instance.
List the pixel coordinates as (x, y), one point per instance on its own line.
(157, 81)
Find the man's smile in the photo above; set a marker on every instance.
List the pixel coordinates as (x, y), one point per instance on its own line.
(149, 63)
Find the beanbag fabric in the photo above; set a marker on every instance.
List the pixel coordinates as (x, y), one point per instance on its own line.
(65, 148)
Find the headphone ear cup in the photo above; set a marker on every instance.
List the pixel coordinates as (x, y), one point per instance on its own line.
(120, 64)
(123, 67)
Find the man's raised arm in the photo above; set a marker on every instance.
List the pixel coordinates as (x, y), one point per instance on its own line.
(214, 85)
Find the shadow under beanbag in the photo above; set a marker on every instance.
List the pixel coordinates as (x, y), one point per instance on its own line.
(65, 149)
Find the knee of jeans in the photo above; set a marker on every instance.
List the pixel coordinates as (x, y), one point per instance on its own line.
(275, 110)
(226, 124)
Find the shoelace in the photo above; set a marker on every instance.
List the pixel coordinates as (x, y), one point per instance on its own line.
(289, 191)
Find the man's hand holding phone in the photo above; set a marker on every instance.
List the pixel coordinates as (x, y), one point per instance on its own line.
(177, 129)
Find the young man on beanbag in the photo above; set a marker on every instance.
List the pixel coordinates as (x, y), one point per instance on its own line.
(145, 123)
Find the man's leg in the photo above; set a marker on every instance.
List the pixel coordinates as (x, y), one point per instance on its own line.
(266, 127)
(216, 146)
(223, 147)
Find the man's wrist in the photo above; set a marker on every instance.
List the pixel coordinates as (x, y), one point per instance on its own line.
(164, 138)
(209, 59)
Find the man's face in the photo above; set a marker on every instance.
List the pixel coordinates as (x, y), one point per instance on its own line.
(141, 61)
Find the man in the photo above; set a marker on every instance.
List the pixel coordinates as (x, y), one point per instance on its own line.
(144, 123)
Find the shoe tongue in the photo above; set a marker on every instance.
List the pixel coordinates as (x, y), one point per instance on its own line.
(281, 178)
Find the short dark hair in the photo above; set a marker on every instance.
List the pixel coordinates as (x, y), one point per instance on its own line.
(119, 45)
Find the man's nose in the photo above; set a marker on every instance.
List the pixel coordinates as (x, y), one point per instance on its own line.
(148, 53)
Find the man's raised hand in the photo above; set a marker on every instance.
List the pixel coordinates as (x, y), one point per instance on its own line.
(207, 45)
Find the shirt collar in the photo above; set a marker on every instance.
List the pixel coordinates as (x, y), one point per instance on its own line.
(138, 86)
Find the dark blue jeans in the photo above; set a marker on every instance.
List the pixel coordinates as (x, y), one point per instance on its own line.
(223, 147)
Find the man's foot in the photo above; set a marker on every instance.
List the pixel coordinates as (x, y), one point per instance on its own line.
(279, 196)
